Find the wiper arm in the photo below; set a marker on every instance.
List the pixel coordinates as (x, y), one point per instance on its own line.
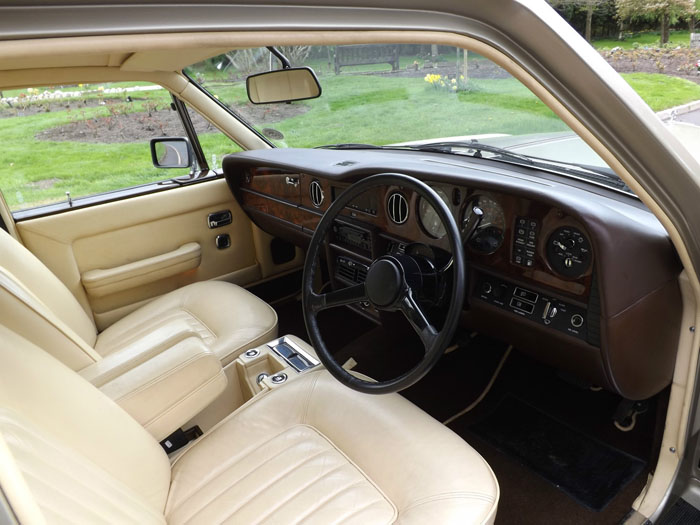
(593, 173)
(589, 172)
(474, 148)
(349, 145)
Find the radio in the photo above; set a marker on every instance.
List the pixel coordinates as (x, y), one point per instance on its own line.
(354, 237)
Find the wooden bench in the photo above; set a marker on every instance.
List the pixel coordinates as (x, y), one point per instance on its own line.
(365, 54)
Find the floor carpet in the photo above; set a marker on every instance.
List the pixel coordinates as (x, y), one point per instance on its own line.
(588, 470)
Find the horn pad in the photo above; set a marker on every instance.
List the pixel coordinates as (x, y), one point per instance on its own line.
(384, 282)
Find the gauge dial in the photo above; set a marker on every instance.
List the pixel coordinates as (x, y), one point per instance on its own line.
(489, 236)
(429, 218)
(569, 252)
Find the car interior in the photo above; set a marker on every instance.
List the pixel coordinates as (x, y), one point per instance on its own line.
(438, 330)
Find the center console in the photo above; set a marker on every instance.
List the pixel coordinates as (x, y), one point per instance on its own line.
(272, 364)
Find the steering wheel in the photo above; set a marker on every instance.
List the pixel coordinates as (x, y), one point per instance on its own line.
(393, 283)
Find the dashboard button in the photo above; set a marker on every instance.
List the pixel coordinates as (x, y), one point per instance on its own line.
(526, 294)
(523, 306)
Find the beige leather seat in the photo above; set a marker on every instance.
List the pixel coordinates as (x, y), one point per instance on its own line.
(309, 452)
(37, 305)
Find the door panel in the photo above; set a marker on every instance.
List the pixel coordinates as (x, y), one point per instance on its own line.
(136, 239)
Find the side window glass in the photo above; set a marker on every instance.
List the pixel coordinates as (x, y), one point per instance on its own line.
(83, 139)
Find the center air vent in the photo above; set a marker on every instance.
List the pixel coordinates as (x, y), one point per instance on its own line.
(316, 193)
(397, 207)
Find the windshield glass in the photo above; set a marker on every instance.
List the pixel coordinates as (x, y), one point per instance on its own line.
(388, 94)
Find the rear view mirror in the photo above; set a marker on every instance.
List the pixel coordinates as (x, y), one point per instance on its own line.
(283, 85)
(171, 152)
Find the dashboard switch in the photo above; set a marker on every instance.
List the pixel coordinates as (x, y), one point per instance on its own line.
(577, 320)
(223, 241)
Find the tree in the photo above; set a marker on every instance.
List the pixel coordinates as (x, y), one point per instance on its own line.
(589, 5)
(663, 11)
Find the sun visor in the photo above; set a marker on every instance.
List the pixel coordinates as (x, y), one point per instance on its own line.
(168, 59)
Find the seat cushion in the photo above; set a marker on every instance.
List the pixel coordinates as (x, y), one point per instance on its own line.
(226, 317)
(314, 451)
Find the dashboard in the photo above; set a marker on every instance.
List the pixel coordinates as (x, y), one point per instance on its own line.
(578, 276)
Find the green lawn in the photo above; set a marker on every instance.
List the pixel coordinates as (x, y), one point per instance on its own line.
(648, 39)
(662, 91)
(388, 110)
(353, 108)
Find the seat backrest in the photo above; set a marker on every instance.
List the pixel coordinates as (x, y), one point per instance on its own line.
(67, 452)
(37, 305)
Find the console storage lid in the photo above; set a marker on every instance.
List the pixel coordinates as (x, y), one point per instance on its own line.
(167, 390)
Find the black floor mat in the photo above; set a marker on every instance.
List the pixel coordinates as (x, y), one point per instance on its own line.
(589, 471)
(682, 513)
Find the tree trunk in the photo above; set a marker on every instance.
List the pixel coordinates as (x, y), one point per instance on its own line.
(434, 51)
(465, 68)
(665, 23)
(589, 19)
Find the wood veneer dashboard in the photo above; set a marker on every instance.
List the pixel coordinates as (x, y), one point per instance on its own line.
(608, 311)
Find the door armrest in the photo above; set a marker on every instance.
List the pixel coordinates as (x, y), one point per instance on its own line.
(101, 282)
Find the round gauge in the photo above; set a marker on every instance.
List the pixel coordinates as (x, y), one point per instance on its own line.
(489, 235)
(429, 218)
(569, 252)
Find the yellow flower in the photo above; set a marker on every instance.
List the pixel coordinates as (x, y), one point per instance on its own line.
(101, 88)
(454, 88)
(461, 77)
(454, 80)
(80, 85)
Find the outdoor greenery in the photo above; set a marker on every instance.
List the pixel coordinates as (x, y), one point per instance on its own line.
(614, 19)
(663, 91)
(644, 39)
(35, 169)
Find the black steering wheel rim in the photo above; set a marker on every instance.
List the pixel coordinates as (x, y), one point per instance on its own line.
(434, 343)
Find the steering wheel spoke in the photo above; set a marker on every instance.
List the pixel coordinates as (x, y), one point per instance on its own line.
(414, 313)
(344, 296)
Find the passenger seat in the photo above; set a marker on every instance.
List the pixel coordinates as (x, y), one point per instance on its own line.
(40, 308)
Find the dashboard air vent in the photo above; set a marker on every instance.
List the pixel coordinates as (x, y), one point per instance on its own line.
(316, 193)
(361, 275)
(397, 207)
(347, 273)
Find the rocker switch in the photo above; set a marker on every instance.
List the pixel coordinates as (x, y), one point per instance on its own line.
(219, 219)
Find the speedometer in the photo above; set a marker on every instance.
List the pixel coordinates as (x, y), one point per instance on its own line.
(429, 218)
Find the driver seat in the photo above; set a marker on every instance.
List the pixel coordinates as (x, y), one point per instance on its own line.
(312, 451)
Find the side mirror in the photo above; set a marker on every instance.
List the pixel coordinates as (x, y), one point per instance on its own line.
(171, 152)
(283, 85)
